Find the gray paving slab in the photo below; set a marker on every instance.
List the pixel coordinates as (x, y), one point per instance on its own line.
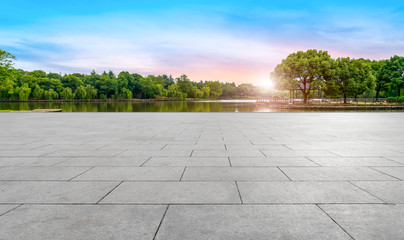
(369, 222)
(271, 162)
(54, 192)
(40, 173)
(227, 153)
(25, 153)
(303, 192)
(368, 153)
(187, 161)
(233, 174)
(174, 193)
(105, 161)
(5, 208)
(309, 158)
(31, 161)
(86, 153)
(249, 222)
(291, 153)
(132, 174)
(133, 146)
(396, 159)
(354, 161)
(334, 173)
(388, 191)
(397, 172)
(162, 153)
(66, 222)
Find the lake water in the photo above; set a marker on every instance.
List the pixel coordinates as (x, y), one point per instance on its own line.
(162, 106)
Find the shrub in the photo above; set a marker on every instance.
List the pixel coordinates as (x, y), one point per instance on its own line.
(391, 99)
(401, 99)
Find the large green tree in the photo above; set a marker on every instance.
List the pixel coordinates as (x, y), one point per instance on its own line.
(7, 74)
(393, 70)
(381, 80)
(349, 77)
(215, 89)
(304, 71)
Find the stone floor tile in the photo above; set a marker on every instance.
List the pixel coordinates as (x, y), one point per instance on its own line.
(86, 153)
(40, 173)
(233, 174)
(271, 162)
(291, 153)
(305, 222)
(334, 173)
(397, 172)
(174, 193)
(389, 191)
(132, 174)
(105, 161)
(4, 208)
(369, 222)
(54, 192)
(354, 161)
(66, 222)
(31, 161)
(303, 192)
(187, 161)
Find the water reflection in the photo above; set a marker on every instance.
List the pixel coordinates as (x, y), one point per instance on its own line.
(161, 106)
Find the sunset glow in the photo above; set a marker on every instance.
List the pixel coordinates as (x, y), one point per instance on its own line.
(230, 41)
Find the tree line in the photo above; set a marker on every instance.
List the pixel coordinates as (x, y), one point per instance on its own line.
(17, 84)
(314, 70)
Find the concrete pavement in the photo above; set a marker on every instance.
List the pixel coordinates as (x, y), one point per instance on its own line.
(201, 176)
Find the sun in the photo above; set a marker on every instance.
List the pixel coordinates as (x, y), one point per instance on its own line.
(266, 84)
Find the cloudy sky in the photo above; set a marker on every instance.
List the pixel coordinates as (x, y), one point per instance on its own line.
(240, 41)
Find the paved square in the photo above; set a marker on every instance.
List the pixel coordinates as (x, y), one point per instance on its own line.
(201, 176)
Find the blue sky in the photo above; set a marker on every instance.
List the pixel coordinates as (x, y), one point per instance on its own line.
(240, 41)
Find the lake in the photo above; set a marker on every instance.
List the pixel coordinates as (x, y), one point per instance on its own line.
(164, 106)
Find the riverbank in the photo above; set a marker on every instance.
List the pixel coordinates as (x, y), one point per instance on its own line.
(194, 106)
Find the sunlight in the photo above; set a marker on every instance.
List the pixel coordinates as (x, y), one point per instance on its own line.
(266, 84)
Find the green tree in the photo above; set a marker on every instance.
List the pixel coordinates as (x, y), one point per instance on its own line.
(362, 78)
(38, 74)
(382, 80)
(206, 92)
(350, 77)
(126, 94)
(185, 85)
(7, 74)
(54, 76)
(38, 93)
(47, 84)
(51, 94)
(229, 89)
(91, 92)
(304, 71)
(67, 94)
(215, 89)
(80, 93)
(393, 70)
(23, 92)
(245, 90)
(72, 82)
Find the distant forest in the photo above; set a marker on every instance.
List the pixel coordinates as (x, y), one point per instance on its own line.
(17, 84)
(303, 72)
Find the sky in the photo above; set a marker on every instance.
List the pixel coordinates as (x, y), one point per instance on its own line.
(231, 41)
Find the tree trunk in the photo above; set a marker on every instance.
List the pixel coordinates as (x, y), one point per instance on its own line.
(399, 91)
(377, 94)
(305, 96)
(345, 99)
